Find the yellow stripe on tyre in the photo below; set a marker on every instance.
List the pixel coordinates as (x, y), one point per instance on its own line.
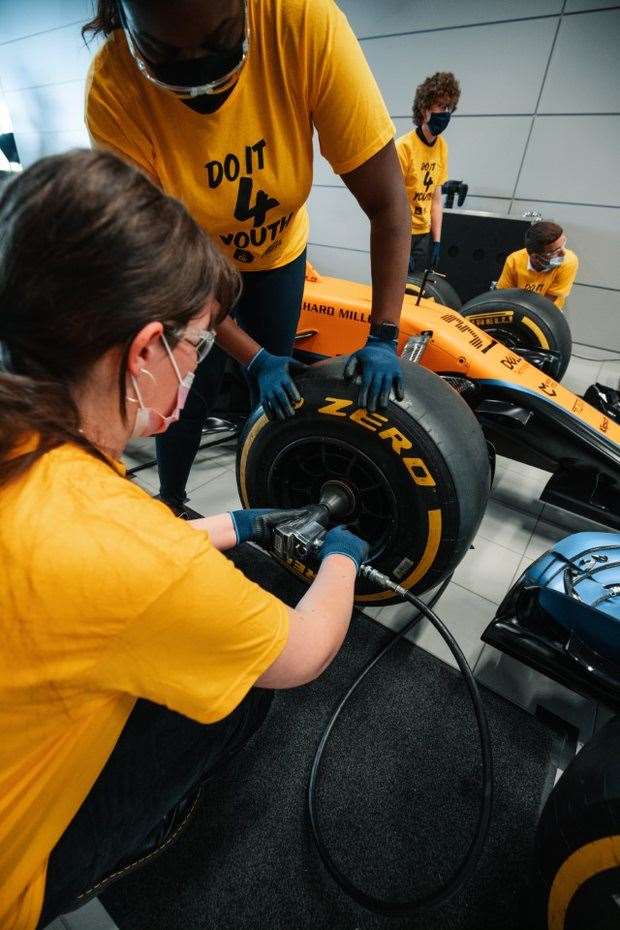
(247, 445)
(433, 538)
(586, 862)
(543, 342)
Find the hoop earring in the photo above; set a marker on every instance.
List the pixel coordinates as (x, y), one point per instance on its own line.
(145, 371)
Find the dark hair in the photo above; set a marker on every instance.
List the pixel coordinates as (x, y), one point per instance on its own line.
(439, 86)
(90, 252)
(105, 20)
(540, 235)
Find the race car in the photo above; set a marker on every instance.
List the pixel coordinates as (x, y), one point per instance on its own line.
(504, 352)
(418, 475)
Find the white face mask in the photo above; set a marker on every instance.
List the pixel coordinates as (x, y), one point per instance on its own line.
(149, 421)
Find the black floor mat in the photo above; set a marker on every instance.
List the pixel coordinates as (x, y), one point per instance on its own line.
(399, 800)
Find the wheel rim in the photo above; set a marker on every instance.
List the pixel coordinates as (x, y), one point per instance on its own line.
(513, 337)
(300, 470)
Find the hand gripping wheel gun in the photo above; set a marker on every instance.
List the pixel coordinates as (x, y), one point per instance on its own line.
(301, 538)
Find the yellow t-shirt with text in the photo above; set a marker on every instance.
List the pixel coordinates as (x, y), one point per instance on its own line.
(425, 168)
(105, 597)
(245, 171)
(555, 284)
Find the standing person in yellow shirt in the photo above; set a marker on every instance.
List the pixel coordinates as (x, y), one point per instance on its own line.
(545, 265)
(134, 656)
(423, 156)
(217, 102)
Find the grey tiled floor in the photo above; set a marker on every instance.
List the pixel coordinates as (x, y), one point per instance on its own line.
(515, 530)
(93, 916)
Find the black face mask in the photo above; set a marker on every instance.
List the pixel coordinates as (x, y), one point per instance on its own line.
(438, 122)
(193, 72)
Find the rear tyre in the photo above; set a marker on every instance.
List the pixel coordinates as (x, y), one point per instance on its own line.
(419, 471)
(578, 838)
(436, 288)
(523, 320)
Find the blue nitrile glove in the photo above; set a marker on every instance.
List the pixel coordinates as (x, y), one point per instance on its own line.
(339, 541)
(257, 525)
(272, 374)
(379, 367)
(435, 253)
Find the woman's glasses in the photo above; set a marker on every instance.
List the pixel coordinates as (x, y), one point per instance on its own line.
(201, 340)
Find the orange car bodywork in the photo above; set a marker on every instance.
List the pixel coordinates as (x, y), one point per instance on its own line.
(335, 318)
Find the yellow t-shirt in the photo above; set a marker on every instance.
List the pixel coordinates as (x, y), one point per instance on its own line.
(555, 284)
(245, 172)
(425, 168)
(105, 597)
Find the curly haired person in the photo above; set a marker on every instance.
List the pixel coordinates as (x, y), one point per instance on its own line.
(423, 156)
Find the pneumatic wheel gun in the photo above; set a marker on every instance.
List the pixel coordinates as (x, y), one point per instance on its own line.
(301, 538)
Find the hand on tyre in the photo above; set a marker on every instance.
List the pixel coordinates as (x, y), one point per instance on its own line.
(272, 375)
(339, 541)
(435, 253)
(258, 525)
(379, 368)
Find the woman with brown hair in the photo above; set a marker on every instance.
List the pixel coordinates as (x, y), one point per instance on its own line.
(134, 656)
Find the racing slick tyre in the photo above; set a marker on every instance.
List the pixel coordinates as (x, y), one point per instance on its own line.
(436, 288)
(522, 319)
(578, 838)
(418, 472)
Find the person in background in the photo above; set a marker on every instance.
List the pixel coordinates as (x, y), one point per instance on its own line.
(423, 156)
(545, 265)
(135, 659)
(217, 103)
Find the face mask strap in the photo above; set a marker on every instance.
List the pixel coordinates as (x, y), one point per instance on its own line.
(138, 398)
(173, 360)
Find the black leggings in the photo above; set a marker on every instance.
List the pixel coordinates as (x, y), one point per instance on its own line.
(160, 757)
(268, 311)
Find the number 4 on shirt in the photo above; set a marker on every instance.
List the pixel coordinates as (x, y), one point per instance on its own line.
(243, 209)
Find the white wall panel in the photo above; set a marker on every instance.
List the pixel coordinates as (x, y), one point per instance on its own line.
(594, 316)
(53, 107)
(34, 145)
(573, 6)
(573, 159)
(5, 117)
(380, 17)
(47, 58)
(486, 152)
(25, 17)
(500, 67)
(337, 219)
(340, 263)
(593, 234)
(323, 171)
(584, 75)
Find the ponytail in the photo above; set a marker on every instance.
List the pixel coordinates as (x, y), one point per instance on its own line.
(104, 22)
(35, 417)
